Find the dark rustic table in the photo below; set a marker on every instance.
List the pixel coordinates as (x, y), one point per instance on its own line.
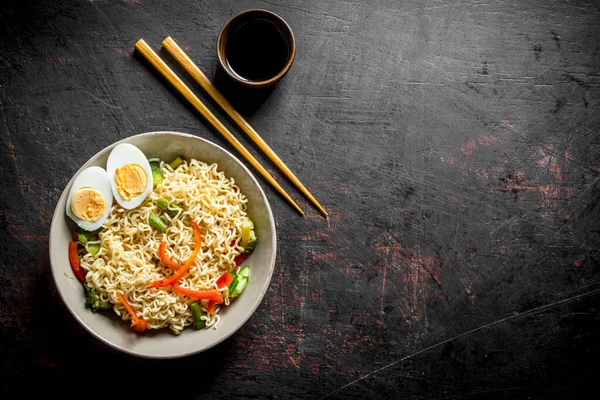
(456, 147)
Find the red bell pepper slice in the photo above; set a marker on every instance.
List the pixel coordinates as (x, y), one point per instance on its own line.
(239, 259)
(74, 261)
(138, 325)
(162, 252)
(225, 280)
(186, 266)
(212, 294)
(211, 307)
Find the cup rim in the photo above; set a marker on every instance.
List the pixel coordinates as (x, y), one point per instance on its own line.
(224, 32)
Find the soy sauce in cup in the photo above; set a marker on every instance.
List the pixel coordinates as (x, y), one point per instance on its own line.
(256, 48)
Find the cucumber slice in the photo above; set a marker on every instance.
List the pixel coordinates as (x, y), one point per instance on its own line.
(239, 288)
(234, 284)
(244, 271)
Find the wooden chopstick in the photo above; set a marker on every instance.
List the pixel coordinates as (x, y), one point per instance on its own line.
(183, 59)
(168, 73)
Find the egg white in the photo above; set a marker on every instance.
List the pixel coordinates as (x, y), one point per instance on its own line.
(98, 179)
(121, 155)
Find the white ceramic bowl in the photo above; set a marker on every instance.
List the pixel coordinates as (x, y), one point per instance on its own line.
(163, 343)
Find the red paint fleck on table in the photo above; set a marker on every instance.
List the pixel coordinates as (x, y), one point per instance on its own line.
(556, 171)
(548, 160)
(324, 257)
(343, 188)
(549, 193)
(467, 286)
(315, 297)
(486, 140)
(471, 145)
(544, 158)
(481, 175)
(502, 250)
(125, 51)
(468, 148)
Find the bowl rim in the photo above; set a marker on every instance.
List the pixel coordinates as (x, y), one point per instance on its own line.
(58, 214)
(281, 24)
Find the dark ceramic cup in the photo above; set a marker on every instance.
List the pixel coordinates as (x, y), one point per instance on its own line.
(256, 48)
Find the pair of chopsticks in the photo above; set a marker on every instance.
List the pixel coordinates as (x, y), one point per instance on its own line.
(207, 85)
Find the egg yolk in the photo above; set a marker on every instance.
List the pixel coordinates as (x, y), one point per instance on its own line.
(131, 180)
(88, 204)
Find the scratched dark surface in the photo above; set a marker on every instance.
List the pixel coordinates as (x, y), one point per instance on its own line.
(456, 147)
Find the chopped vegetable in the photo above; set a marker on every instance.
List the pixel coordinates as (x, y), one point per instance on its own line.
(87, 239)
(239, 259)
(139, 325)
(176, 162)
(163, 204)
(197, 314)
(234, 283)
(169, 207)
(238, 286)
(84, 236)
(211, 294)
(247, 226)
(157, 223)
(251, 244)
(184, 268)
(225, 280)
(173, 209)
(74, 261)
(162, 252)
(239, 282)
(244, 271)
(92, 248)
(94, 302)
(157, 175)
(211, 307)
(248, 236)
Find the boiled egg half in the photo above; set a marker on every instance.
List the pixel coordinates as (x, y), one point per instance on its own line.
(130, 175)
(90, 198)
